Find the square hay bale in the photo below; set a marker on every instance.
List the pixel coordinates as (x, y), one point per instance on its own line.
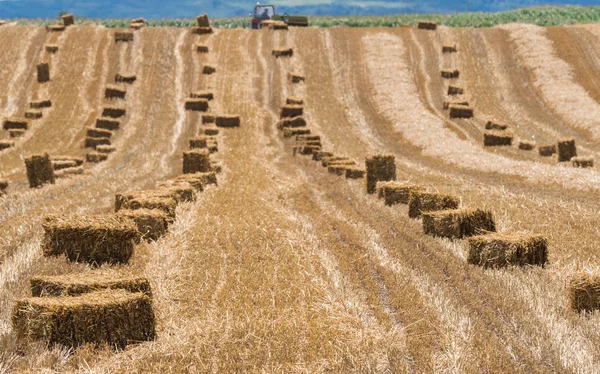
(216, 166)
(15, 123)
(63, 164)
(296, 78)
(95, 157)
(291, 132)
(449, 48)
(39, 170)
(211, 131)
(3, 187)
(89, 239)
(113, 111)
(502, 250)
(547, 150)
(108, 317)
(492, 138)
(5, 144)
(420, 201)
(125, 78)
(151, 224)
(427, 25)
(164, 204)
(308, 138)
(584, 292)
(291, 111)
(136, 25)
(293, 122)
(78, 160)
(177, 193)
(526, 146)
(355, 172)
(114, 92)
(208, 69)
(495, 126)
(398, 193)
(123, 36)
(208, 118)
(450, 74)
(379, 168)
(337, 169)
(202, 30)
(458, 223)
(460, 111)
(196, 161)
(55, 28)
(51, 48)
(197, 180)
(105, 149)
(98, 133)
(203, 20)
(379, 188)
(199, 105)
(16, 133)
(40, 104)
(199, 142)
(43, 72)
(201, 48)
(207, 95)
(68, 172)
(34, 114)
(582, 162)
(228, 120)
(453, 91)
(282, 52)
(68, 20)
(75, 284)
(446, 104)
(318, 156)
(107, 124)
(138, 20)
(294, 101)
(306, 149)
(566, 149)
(326, 161)
(92, 142)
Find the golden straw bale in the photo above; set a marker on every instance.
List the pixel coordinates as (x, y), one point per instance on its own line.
(318, 156)
(337, 169)
(107, 124)
(582, 162)
(199, 142)
(196, 161)
(450, 74)
(138, 20)
(203, 20)
(151, 224)
(380, 186)
(211, 131)
(164, 204)
(306, 149)
(228, 120)
(123, 36)
(51, 48)
(77, 160)
(495, 126)
(95, 157)
(449, 48)
(202, 30)
(566, 149)
(5, 144)
(291, 132)
(584, 292)
(199, 105)
(460, 111)
(197, 181)
(294, 101)
(547, 150)
(136, 25)
(43, 72)
(293, 122)
(207, 95)
(125, 78)
(105, 149)
(115, 318)
(325, 161)
(308, 138)
(420, 201)
(15, 123)
(68, 172)
(526, 145)
(55, 28)
(446, 104)
(216, 166)
(201, 48)
(453, 90)
(282, 52)
(90, 239)
(3, 187)
(92, 142)
(427, 25)
(291, 111)
(458, 223)
(501, 250)
(16, 133)
(494, 138)
(397, 192)
(68, 20)
(113, 111)
(208, 69)
(63, 164)
(355, 172)
(34, 114)
(98, 133)
(114, 92)
(296, 78)
(208, 118)
(40, 104)
(379, 168)
(39, 170)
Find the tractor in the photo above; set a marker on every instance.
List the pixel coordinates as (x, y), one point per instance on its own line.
(267, 12)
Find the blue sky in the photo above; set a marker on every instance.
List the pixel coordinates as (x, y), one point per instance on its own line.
(225, 8)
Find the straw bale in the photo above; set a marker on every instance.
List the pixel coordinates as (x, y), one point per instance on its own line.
(582, 162)
(449, 48)
(501, 250)
(199, 142)
(337, 169)
(293, 122)
(51, 48)
(207, 95)
(495, 126)
(89, 239)
(113, 111)
(296, 78)
(115, 318)
(420, 201)
(291, 111)
(151, 224)
(526, 146)
(15, 123)
(584, 292)
(308, 138)
(95, 157)
(547, 150)
(196, 181)
(34, 114)
(216, 166)
(105, 149)
(306, 149)
(123, 36)
(325, 161)
(453, 90)
(458, 223)
(294, 101)
(196, 161)
(282, 52)
(427, 25)
(566, 149)
(136, 25)
(203, 20)
(355, 172)
(460, 111)
(78, 160)
(112, 92)
(379, 168)
(68, 172)
(43, 72)
(291, 132)
(450, 74)
(40, 104)
(55, 28)
(3, 187)
(208, 69)
(107, 124)
(5, 144)
(202, 30)
(68, 20)
(16, 133)
(230, 120)
(39, 170)
(493, 138)
(125, 78)
(201, 48)
(63, 164)
(446, 104)
(318, 156)
(98, 133)
(93, 142)
(164, 204)
(138, 20)
(208, 118)
(211, 131)
(380, 186)
(200, 105)
(397, 192)
(179, 193)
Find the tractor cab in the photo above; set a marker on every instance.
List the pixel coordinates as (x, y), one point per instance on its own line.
(262, 13)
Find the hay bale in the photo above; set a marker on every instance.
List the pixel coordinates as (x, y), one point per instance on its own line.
(39, 170)
(138, 20)
(291, 132)
(34, 114)
(337, 169)
(282, 52)
(107, 124)
(458, 223)
(379, 186)
(203, 20)
(547, 150)
(566, 149)
(582, 162)
(355, 172)
(113, 111)
(75, 284)
(68, 172)
(151, 224)
(446, 104)
(5, 144)
(449, 48)
(198, 180)
(164, 204)
(319, 155)
(396, 192)
(210, 131)
(228, 120)
(379, 168)
(125, 78)
(291, 111)
(3, 187)
(453, 91)
(293, 122)
(427, 25)
(40, 104)
(68, 20)
(199, 105)
(78, 160)
(98, 133)
(95, 157)
(201, 48)
(123, 36)
(63, 164)
(450, 74)
(92, 142)
(196, 161)
(584, 292)
(306, 150)
(179, 194)
(420, 201)
(526, 146)
(15, 123)
(114, 92)
(105, 149)
(108, 317)
(89, 239)
(208, 69)
(136, 25)
(51, 48)
(208, 118)
(55, 28)
(16, 133)
(43, 72)
(460, 111)
(308, 138)
(199, 142)
(296, 78)
(294, 101)
(202, 30)
(207, 95)
(501, 250)
(492, 138)
(495, 126)
(327, 160)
